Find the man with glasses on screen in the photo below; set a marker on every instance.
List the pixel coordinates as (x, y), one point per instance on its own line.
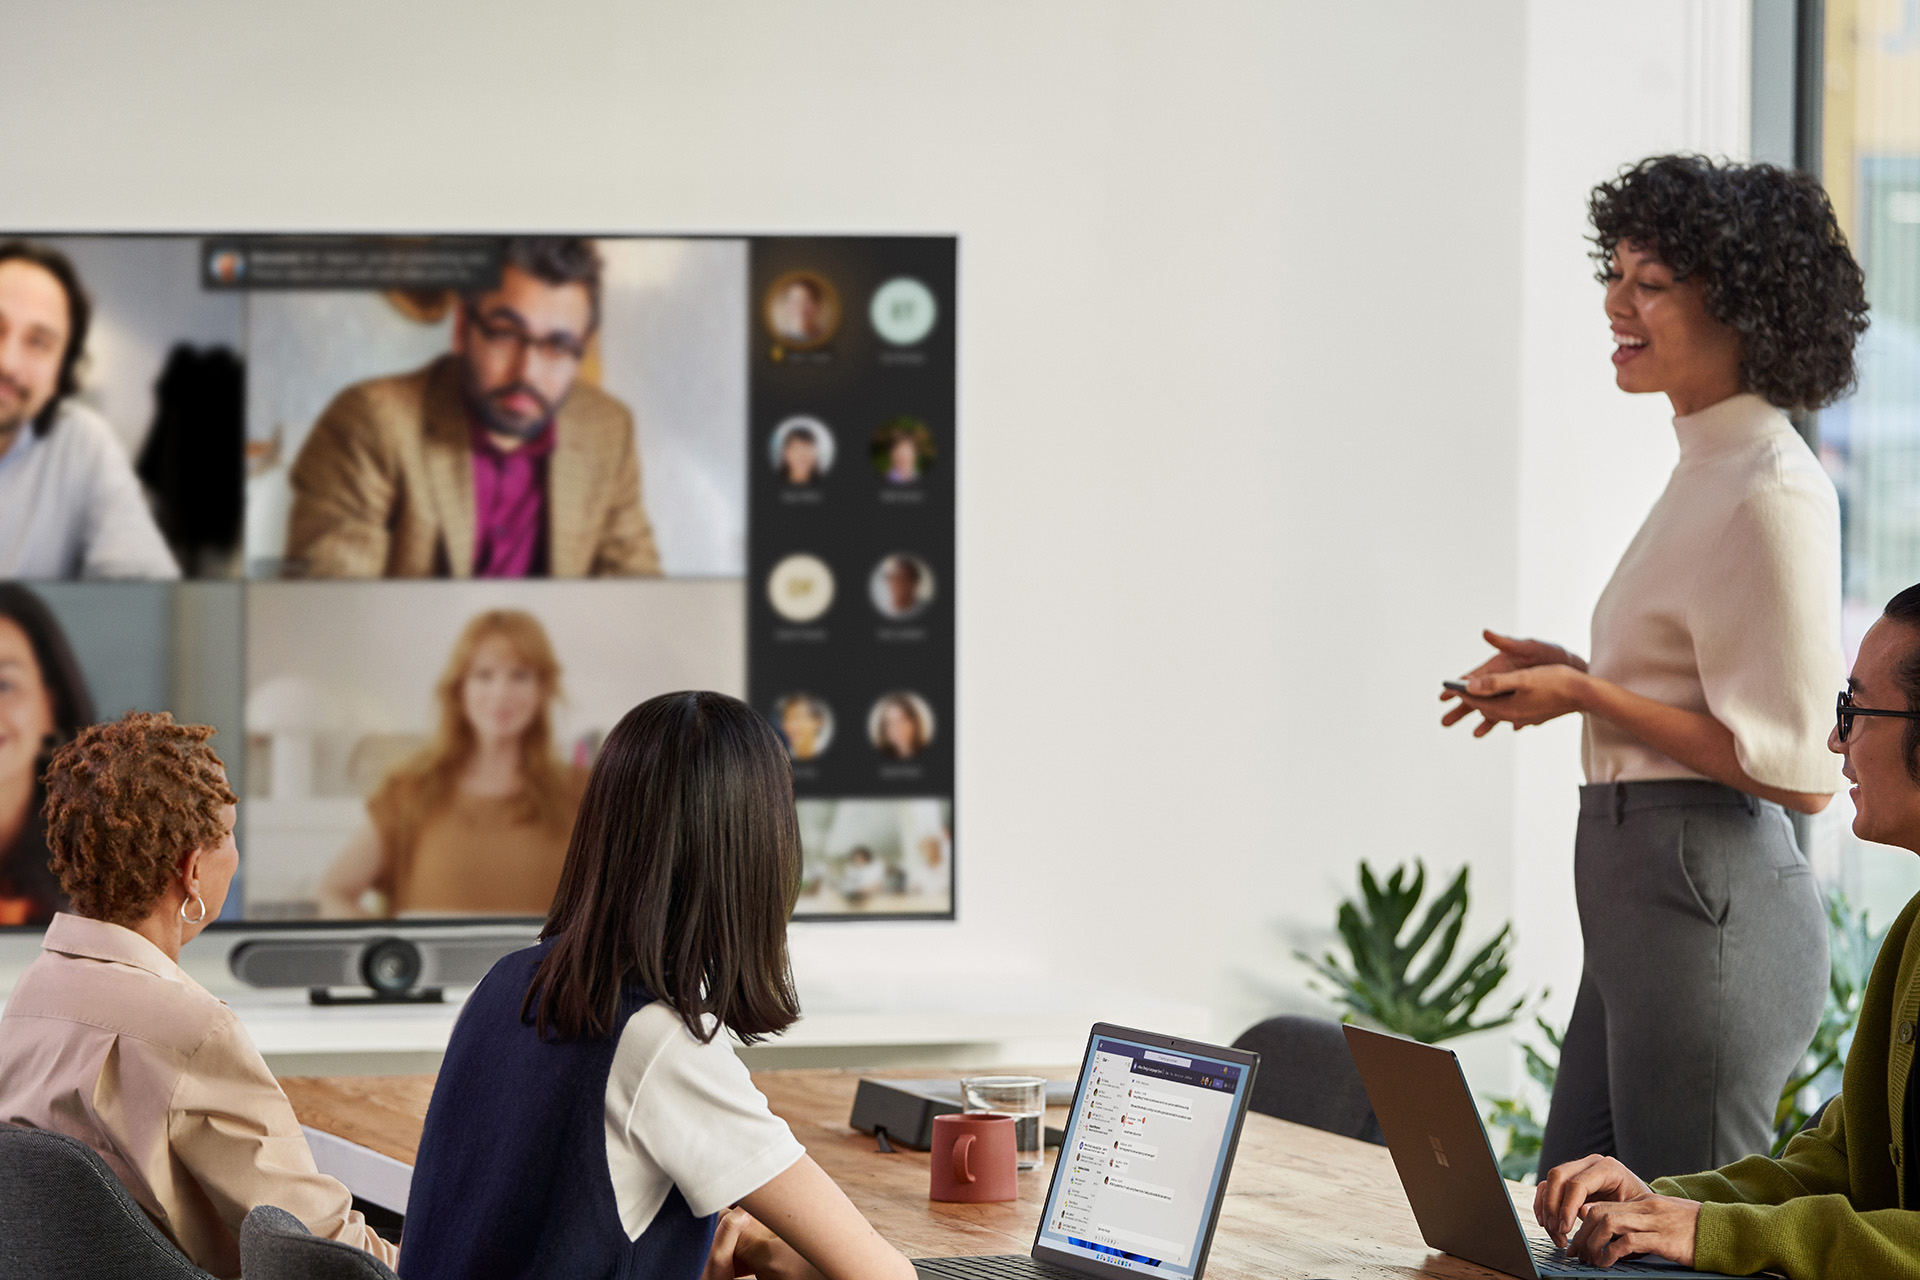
(70, 506)
(496, 461)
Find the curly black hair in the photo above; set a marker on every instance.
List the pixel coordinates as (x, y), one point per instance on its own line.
(125, 802)
(1772, 258)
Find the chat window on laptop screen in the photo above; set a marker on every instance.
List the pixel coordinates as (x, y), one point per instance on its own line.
(1143, 1159)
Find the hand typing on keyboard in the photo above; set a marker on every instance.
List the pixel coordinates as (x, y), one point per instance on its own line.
(1616, 1214)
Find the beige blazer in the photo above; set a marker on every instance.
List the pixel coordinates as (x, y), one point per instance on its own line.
(106, 1040)
(383, 486)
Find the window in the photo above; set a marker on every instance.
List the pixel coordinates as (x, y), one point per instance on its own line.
(1862, 124)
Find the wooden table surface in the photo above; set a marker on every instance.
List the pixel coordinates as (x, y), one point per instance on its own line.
(1300, 1203)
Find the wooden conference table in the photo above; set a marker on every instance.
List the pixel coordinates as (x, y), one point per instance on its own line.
(1300, 1203)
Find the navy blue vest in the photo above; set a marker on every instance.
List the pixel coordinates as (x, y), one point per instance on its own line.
(511, 1180)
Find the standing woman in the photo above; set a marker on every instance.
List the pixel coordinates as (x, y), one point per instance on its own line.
(1716, 648)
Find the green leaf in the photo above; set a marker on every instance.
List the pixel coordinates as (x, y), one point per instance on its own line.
(1398, 978)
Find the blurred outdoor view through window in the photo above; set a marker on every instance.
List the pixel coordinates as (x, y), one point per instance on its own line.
(1870, 443)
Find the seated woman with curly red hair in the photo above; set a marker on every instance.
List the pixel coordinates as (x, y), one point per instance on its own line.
(107, 1040)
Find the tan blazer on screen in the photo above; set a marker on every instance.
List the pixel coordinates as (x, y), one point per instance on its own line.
(106, 1040)
(383, 486)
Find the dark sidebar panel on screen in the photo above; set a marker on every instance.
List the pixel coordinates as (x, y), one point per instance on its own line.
(850, 559)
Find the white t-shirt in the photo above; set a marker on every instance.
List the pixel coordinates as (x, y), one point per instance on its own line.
(1728, 601)
(685, 1114)
(71, 507)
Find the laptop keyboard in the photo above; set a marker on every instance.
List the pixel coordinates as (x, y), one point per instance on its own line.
(1013, 1266)
(1551, 1260)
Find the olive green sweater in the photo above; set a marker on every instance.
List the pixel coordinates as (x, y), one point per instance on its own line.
(1831, 1204)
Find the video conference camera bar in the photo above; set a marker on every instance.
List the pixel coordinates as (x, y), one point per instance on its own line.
(373, 968)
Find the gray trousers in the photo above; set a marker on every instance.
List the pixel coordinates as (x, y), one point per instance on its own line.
(1705, 946)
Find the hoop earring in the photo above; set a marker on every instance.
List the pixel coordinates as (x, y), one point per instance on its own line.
(198, 901)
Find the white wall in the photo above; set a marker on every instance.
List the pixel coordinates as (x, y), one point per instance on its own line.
(1280, 375)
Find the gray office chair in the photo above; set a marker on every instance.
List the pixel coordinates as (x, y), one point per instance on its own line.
(65, 1216)
(1307, 1076)
(275, 1245)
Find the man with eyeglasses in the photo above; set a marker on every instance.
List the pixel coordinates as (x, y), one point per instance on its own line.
(496, 461)
(1837, 1201)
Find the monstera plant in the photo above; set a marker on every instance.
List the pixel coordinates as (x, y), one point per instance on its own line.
(1396, 974)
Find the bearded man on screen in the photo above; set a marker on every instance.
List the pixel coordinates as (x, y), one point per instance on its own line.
(495, 461)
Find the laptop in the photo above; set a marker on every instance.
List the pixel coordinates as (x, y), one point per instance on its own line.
(1447, 1167)
(1143, 1163)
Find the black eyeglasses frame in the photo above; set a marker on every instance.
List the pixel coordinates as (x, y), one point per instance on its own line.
(1845, 709)
(551, 346)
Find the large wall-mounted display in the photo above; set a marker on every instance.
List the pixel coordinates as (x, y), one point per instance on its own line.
(413, 520)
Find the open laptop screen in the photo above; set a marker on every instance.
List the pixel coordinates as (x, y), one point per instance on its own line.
(1144, 1157)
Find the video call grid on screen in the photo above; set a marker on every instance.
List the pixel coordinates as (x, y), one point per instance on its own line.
(375, 460)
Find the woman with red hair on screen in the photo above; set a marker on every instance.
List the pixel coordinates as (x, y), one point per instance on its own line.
(477, 823)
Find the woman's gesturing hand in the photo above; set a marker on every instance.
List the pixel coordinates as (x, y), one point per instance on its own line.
(1616, 1213)
(1524, 682)
(1532, 695)
(1512, 655)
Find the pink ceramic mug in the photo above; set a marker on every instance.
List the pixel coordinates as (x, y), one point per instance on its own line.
(973, 1158)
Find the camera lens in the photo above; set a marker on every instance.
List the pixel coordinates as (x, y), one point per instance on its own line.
(390, 965)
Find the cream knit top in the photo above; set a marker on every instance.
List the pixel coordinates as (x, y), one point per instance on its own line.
(1728, 601)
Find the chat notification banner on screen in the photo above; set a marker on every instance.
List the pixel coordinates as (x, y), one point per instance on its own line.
(465, 263)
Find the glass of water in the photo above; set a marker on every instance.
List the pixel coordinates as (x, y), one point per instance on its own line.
(1022, 1097)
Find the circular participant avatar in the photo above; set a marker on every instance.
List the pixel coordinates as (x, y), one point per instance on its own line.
(800, 588)
(900, 725)
(806, 723)
(902, 450)
(227, 265)
(801, 450)
(901, 586)
(903, 311)
(802, 309)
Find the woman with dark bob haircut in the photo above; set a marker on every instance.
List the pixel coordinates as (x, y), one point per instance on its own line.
(590, 1119)
(1716, 651)
(108, 1040)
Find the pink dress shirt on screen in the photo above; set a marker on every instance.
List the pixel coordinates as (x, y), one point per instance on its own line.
(106, 1040)
(509, 505)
